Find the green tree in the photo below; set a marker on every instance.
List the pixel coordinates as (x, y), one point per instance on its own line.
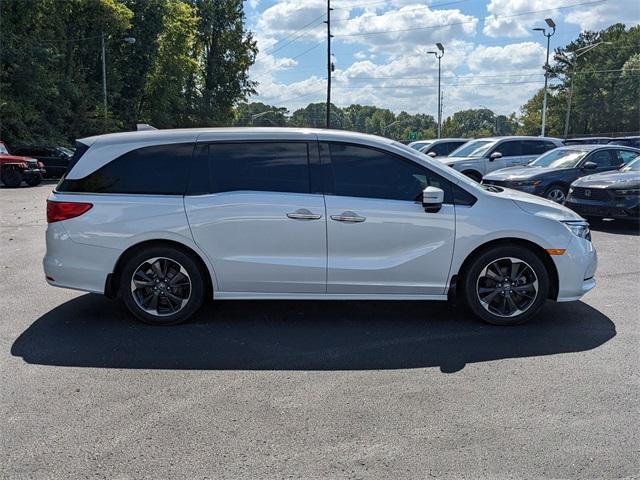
(227, 53)
(260, 115)
(168, 100)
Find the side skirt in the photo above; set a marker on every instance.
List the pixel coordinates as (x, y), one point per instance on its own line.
(321, 296)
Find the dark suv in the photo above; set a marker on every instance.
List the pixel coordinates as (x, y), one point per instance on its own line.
(55, 159)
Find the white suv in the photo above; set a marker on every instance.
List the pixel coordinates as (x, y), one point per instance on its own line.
(165, 219)
(478, 157)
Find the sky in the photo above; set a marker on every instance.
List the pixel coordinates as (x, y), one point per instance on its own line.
(492, 57)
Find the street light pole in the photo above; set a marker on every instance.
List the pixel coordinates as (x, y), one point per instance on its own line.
(439, 56)
(577, 54)
(104, 80)
(551, 25)
(384, 127)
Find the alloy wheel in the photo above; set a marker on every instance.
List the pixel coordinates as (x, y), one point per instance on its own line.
(161, 286)
(556, 194)
(507, 287)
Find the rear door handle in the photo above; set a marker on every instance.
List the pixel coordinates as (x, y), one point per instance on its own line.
(304, 214)
(348, 217)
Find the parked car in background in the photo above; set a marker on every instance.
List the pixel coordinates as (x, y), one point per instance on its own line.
(418, 144)
(478, 157)
(613, 194)
(55, 159)
(301, 214)
(587, 141)
(442, 147)
(16, 168)
(551, 174)
(626, 141)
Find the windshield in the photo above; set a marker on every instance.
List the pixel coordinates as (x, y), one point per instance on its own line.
(559, 158)
(475, 148)
(3, 149)
(632, 166)
(418, 145)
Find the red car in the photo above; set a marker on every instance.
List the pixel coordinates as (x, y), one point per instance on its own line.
(14, 169)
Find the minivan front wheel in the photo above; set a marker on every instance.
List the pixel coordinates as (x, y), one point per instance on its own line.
(162, 285)
(506, 285)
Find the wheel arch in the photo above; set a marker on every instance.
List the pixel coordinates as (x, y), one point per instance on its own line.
(456, 280)
(113, 279)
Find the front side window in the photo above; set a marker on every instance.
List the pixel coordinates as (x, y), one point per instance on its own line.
(159, 170)
(359, 171)
(603, 159)
(511, 148)
(259, 166)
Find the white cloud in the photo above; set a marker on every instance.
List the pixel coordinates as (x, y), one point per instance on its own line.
(408, 28)
(512, 18)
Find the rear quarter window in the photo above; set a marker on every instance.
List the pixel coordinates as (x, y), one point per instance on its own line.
(159, 170)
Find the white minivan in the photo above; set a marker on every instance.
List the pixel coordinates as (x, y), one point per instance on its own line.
(165, 219)
(478, 157)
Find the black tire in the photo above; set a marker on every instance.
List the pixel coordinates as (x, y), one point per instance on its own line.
(12, 177)
(34, 180)
(473, 175)
(557, 193)
(192, 297)
(477, 283)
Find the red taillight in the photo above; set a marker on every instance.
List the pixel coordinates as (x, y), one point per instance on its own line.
(57, 211)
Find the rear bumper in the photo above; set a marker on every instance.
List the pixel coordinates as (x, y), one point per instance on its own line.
(576, 270)
(68, 264)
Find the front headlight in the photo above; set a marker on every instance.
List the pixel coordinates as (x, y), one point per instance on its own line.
(630, 192)
(528, 183)
(579, 228)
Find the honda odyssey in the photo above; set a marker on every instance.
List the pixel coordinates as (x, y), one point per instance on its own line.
(165, 219)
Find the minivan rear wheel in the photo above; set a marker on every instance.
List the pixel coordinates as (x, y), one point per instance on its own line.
(506, 285)
(162, 285)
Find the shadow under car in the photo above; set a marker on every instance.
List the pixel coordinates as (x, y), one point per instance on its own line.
(92, 331)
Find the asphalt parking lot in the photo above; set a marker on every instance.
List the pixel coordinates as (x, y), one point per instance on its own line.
(313, 389)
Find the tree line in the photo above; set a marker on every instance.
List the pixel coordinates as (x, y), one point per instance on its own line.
(185, 63)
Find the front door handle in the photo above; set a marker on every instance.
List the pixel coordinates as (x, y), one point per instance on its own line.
(304, 214)
(348, 217)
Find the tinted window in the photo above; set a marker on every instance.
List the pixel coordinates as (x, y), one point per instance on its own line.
(161, 169)
(266, 167)
(510, 148)
(534, 147)
(443, 149)
(365, 172)
(602, 158)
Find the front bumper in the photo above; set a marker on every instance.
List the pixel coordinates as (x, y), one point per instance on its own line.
(31, 172)
(626, 209)
(576, 270)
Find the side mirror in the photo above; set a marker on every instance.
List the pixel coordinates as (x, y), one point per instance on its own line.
(432, 199)
(432, 154)
(589, 166)
(495, 155)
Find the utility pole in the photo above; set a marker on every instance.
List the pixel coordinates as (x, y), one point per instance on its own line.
(104, 80)
(551, 25)
(329, 63)
(439, 56)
